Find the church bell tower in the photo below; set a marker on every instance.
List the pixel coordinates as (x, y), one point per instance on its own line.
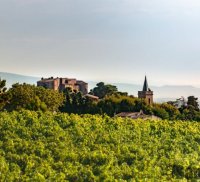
(146, 93)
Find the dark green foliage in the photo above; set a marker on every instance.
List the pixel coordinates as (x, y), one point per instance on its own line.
(102, 90)
(172, 111)
(117, 103)
(3, 94)
(25, 96)
(166, 111)
(2, 86)
(75, 102)
(36, 146)
(191, 110)
(160, 112)
(192, 101)
(190, 113)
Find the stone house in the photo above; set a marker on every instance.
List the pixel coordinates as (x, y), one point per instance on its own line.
(61, 83)
(136, 115)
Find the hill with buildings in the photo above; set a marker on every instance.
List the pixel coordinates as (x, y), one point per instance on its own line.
(161, 94)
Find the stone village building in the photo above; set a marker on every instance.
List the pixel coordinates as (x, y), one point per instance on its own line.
(61, 83)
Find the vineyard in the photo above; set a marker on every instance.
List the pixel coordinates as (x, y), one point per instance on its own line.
(36, 146)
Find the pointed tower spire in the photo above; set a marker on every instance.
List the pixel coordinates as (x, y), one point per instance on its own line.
(145, 87)
(146, 93)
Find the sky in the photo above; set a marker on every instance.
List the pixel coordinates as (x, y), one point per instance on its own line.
(102, 40)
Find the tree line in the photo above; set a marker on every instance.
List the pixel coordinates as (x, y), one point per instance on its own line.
(111, 101)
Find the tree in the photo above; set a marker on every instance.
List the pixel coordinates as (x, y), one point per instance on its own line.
(76, 102)
(2, 86)
(3, 95)
(25, 96)
(160, 112)
(101, 90)
(173, 112)
(193, 101)
(117, 103)
(51, 98)
(127, 105)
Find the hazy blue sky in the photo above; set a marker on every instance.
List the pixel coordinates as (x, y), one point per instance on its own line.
(108, 40)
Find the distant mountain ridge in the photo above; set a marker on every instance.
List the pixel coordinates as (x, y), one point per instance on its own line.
(12, 78)
(161, 94)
